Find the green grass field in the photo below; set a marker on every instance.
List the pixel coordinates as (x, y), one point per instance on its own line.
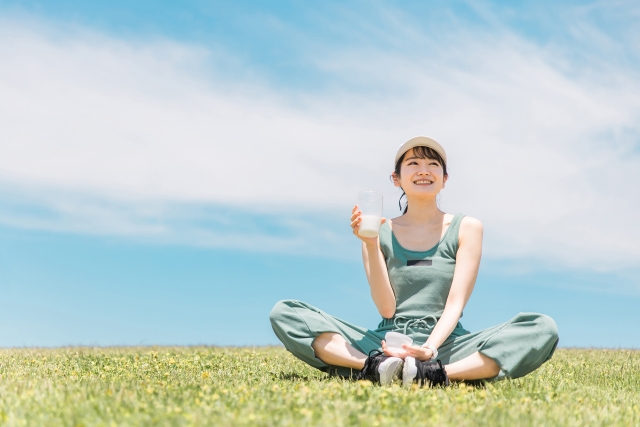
(202, 386)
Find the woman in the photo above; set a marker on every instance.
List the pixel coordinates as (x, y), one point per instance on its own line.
(421, 270)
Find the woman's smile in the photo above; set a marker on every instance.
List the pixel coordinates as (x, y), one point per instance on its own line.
(423, 182)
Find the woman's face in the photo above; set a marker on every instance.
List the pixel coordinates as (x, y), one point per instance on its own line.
(420, 177)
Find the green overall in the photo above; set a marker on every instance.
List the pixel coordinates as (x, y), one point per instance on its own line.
(421, 281)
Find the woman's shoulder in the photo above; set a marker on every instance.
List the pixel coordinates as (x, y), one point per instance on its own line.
(470, 222)
(470, 227)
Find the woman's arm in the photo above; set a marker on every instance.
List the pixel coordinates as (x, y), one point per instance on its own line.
(464, 279)
(375, 268)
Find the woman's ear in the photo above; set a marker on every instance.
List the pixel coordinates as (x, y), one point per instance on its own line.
(444, 180)
(396, 179)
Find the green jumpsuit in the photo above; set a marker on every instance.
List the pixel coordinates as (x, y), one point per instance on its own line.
(421, 281)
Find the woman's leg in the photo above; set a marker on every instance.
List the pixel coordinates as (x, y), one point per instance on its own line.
(474, 367)
(509, 350)
(321, 340)
(333, 349)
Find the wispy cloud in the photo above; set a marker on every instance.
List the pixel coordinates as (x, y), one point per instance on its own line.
(124, 134)
(210, 225)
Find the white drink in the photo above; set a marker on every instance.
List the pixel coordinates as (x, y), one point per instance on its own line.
(370, 205)
(370, 226)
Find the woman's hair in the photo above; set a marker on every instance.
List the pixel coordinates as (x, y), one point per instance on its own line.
(421, 152)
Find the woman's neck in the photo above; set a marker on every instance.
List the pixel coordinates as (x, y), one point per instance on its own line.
(423, 211)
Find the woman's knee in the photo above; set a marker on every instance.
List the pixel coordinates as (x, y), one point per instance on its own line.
(546, 326)
(281, 311)
(326, 339)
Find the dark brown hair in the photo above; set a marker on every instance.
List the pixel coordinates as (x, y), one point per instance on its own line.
(420, 152)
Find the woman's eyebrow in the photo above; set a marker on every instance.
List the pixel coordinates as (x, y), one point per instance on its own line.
(415, 157)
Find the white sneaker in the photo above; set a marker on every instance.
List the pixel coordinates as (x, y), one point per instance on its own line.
(409, 371)
(389, 370)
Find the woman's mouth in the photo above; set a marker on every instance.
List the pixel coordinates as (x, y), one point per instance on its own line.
(423, 182)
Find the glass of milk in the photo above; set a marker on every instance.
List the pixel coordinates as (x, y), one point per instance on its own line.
(370, 204)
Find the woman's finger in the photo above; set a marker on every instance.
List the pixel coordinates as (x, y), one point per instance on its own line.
(418, 352)
(412, 349)
(386, 350)
(390, 352)
(395, 353)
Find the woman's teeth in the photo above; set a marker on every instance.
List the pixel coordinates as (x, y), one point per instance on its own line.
(423, 182)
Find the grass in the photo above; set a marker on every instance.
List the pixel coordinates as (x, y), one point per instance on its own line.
(200, 386)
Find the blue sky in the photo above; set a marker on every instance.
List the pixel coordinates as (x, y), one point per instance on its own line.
(170, 170)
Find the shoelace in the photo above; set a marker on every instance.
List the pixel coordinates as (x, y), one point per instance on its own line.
(370, 365)
(404, 323)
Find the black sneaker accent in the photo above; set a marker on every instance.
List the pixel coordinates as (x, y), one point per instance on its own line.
(431, 374)
(370, 369)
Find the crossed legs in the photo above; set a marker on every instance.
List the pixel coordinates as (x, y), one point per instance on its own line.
(333, 349)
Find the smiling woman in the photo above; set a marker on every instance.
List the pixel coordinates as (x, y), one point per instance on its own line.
(421, 270)
(420, 152)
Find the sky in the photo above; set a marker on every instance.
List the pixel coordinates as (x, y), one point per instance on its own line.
(171, 170)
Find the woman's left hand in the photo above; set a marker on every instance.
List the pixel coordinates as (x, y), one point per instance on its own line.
(419, 352)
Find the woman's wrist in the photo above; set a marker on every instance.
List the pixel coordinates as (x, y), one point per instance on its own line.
(426, 355)
(371, 247)
(432, 348)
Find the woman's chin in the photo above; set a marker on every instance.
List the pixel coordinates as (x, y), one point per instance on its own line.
(422, 193)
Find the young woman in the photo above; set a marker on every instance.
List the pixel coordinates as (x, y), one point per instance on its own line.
(421, 270)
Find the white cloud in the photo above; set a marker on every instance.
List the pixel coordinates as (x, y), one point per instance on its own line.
(545, 155)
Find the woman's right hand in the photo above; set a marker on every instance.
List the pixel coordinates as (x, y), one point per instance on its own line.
(356, 219)
(393, 353)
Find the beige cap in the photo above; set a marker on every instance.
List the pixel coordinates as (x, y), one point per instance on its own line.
(420, 140)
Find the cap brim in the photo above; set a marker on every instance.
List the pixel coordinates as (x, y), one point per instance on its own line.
(421, 141)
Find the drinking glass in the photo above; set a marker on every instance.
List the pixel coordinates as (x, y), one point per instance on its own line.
(370, 204)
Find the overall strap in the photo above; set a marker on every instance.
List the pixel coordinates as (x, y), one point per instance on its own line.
(450, 241)
(386, 239)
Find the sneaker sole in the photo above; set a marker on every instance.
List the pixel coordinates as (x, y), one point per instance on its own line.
(389, 370)
(409, 371)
